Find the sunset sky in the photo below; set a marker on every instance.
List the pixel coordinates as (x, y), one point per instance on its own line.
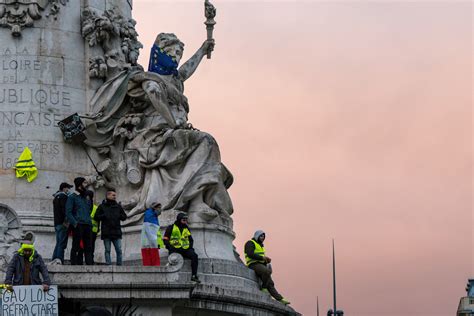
(341, 119)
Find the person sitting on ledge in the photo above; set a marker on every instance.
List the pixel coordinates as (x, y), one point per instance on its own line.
(178, 239)
(25, 268)
(256, 260)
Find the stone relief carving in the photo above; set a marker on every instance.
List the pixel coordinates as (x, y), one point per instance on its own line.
(117, 37)
(138, 126)
(19, 14)
(11, 233)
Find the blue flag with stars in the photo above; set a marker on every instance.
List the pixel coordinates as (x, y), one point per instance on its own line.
(162, 63)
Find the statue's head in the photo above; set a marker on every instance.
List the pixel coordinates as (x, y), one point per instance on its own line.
(171, 45)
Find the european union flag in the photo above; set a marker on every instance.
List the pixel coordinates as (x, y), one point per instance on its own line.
(162, 63)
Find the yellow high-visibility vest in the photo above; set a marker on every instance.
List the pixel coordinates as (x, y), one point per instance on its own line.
(161, 244)
(259, 250)
(180, 239)
(25, 166)
(95, 224)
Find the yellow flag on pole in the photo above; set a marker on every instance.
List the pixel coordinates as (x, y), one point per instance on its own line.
(25, 166)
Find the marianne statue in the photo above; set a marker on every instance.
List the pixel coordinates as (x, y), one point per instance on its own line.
(138, 126)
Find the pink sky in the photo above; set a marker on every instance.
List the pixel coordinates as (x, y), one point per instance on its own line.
(348, 120)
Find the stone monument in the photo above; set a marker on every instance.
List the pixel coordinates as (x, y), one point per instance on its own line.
(61, 58)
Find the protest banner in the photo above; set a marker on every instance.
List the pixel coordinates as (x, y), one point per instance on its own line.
(30, 300)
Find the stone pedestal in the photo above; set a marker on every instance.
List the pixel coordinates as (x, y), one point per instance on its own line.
(228, 288)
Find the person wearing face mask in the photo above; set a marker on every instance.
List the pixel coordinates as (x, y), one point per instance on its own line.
(178, 239)
(110, 214)
(151, 236)
(256, 259)
(78, 210)
(25, 268)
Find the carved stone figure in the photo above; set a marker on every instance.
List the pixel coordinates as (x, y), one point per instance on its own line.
(139, 125)
(10, 234)
(18, 14)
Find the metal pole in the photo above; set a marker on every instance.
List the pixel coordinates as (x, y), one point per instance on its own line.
(334, 276)
(317, 305)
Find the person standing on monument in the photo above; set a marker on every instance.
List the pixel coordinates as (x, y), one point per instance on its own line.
(152, 241)
(178, 239)
(78, 210)
(60, 222)
(25, 268)
(256, 260)
(95, 224)
(110, 213)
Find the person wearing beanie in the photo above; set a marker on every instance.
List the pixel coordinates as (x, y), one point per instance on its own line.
(178, 239)
(256, 260)
(78, 210)
(60, 223)
(25, 268)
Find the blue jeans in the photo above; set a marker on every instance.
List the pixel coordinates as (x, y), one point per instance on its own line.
(61, 242)
(118, 250)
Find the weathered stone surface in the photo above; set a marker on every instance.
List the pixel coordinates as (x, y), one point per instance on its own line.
(148, 288)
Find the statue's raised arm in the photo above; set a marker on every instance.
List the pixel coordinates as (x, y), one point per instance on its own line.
(191, 65)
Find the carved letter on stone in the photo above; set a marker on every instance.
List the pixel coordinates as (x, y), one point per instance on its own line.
(18, 14)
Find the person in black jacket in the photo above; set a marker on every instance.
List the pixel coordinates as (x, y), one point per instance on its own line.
(25, 268)
(60, 222)
(178, 239)
(110, 213)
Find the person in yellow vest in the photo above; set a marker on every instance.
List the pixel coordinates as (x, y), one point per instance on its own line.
(95, 223)
(256, 259)
(178, 239)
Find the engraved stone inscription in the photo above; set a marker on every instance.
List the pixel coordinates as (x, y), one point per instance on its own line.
(11, 150)
(31, 92)
(48, 96)
(29, 119)
(31, 69)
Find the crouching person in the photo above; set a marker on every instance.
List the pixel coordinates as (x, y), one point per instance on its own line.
(25, 268)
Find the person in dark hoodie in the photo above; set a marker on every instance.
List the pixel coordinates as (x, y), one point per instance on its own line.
(25, 268)
(60, 223)
(78, 210)
(256, 260)
(178, 239)
(110, 213)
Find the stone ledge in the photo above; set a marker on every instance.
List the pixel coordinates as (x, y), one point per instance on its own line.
(240, 297)
(228, 287)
